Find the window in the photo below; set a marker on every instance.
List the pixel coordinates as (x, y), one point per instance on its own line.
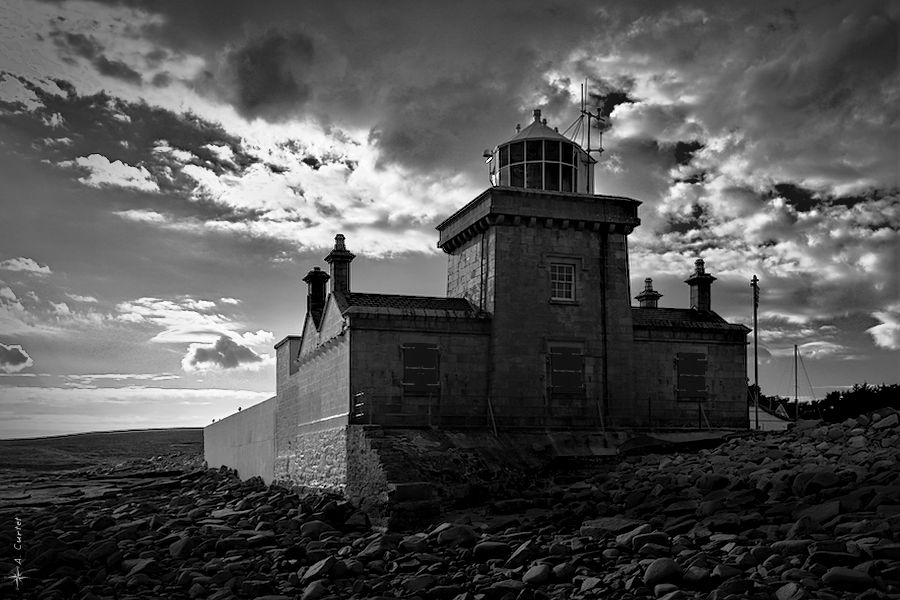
(691, 375)
(566, 371)
(517, 175)
(539, 164)
(562, 281)
(420, 368)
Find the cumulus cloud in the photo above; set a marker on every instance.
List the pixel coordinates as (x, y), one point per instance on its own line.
(181, 320)
(224, 353)
(102, 172)
(215, 339)
(887, 333)
(24, 264)
(79, 298)
(14, 358)
(61, 308)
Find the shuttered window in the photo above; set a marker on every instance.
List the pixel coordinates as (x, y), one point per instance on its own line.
(566, 366)
(691, 371)
(421, 373)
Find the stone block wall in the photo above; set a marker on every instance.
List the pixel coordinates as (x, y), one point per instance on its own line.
(656, 404)
(339, 458)
(377, 370)
(315, 456)
(526, 321)
(367, 482)
(318, 389)
(312, 409)
(471, 270)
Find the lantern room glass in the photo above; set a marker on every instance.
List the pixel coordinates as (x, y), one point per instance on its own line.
(538, 164)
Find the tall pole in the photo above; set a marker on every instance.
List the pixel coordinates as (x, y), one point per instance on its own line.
(754, 283)
(796, 394)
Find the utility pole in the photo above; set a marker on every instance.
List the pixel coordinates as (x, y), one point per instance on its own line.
(796, 393)
(754, 283)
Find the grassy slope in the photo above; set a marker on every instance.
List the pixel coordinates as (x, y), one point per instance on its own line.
(88, 449)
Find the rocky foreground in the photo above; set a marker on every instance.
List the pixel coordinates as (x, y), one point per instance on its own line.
(810, 513)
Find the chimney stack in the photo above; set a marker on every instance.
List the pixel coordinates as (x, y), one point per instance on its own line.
(339, 259)
(315, 293)
(649, 298)
(700, 282)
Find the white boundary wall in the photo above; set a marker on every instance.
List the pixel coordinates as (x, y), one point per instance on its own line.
(244, 441)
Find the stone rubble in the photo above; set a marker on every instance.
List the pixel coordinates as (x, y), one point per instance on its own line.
(812, 513)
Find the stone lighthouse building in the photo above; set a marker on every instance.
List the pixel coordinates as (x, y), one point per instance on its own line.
(547, 259)
(537, 336)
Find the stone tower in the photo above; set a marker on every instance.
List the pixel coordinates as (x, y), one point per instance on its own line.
(548, 260)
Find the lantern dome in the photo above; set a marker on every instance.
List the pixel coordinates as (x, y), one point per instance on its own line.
(541, 158)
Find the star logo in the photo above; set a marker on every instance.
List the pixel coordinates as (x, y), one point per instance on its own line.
(17, 577)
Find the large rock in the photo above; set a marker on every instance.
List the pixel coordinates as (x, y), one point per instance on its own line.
(490, 549)
(538, 574)
(319, 570)
(811, 482)
(456, 534)
(662, 570)
(848, 579)
(885, 422)
(607, 526)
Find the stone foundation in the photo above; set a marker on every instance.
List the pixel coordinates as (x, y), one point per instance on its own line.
(315, 459)
(400, 476)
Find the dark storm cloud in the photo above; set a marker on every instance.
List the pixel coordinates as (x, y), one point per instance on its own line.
(606, 95)
(684, 151)
(430, 81)
(13, 358)
(100, 123)
(117, 69)
(78, 44)
(225, 353)
(269, 74)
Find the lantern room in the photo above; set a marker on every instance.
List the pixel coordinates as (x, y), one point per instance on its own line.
(541, 158)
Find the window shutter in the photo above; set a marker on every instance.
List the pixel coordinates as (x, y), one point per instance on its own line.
(691, 369)
(421, 371)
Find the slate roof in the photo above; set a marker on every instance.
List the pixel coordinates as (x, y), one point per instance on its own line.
(405, 305)
(680, 318)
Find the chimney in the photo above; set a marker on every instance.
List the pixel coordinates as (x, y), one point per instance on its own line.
(339, 259)
(700, 282)
(649, 298)
(537, 115)
(315, 293)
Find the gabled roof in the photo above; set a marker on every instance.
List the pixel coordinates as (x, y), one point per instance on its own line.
(364, 303)
(680, 318)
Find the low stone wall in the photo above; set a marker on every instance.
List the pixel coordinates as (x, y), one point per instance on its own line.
(401, 475)
(314, 457)
(244, 441)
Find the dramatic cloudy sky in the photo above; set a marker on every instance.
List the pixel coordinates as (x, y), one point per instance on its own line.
(171, 170)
